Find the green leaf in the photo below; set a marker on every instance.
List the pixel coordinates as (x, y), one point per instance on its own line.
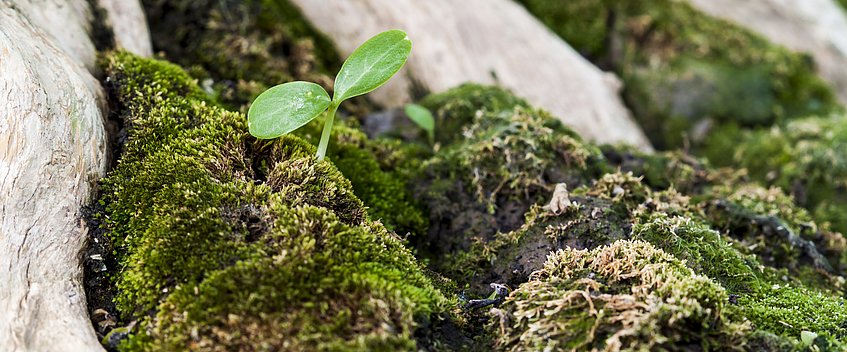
(373, 63)
(808, 337)
(421, 116)
(286, 107)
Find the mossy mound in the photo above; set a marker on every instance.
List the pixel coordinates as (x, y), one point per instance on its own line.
(712, 220)
(806, 157)
(485, 181)
(240, 48)
(685, 71)
(456, 107)
(628, 296)
(232, 243)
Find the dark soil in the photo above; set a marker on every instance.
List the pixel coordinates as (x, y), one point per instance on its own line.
(99, 266)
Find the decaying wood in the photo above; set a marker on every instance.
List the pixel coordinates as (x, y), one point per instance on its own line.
(52, 151)
(485, 41)
(818, 27)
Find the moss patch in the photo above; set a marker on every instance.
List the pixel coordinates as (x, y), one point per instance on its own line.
(228, 242)
(628, 296)
(684, 70)
(667, 199)
(484, 183)
(806, 158)
(378, 170)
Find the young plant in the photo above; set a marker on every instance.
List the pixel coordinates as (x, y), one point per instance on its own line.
(423, 118)
(286, 107)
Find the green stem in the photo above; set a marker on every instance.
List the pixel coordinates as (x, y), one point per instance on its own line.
(327, 129)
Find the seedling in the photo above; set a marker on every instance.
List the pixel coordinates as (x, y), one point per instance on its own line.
(423, 118)
(286, 107)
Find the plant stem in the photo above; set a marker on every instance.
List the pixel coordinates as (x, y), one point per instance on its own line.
(327, 129)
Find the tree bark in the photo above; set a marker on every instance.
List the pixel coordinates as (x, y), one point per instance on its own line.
(818, 27)
(52, 152)
(484, 41)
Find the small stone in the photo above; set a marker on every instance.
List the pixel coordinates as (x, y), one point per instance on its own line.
(618, 190)
(500, 290)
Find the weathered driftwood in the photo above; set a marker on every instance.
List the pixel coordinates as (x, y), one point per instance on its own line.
(127, 20)
(52, 151)
(485, 41)
(814, 26)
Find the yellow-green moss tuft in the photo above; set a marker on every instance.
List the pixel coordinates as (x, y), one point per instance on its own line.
(315, 284)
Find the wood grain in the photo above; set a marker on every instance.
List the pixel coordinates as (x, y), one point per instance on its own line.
(53, 149)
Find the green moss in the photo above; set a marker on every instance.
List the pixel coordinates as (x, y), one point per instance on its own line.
(232, 243)
(684, 69)
(788, 310)
(247, 47)
(806, 158)
(482, 184)
(382, 185)
(703, 249)
(627, 296)
(457, 107)
(317, 284)
(800, 251)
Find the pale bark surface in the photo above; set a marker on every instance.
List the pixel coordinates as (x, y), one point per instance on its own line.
(457, 41)
(129, 24)
(52, 151)
(818, 27)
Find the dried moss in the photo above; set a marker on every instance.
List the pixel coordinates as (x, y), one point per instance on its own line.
(628, 296)
(232, 243)
(667, 199)
(684, 70)
(510, 258)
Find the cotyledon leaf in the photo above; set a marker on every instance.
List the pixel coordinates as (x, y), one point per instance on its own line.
(373, 63)
(286, 107)
(421, 116)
